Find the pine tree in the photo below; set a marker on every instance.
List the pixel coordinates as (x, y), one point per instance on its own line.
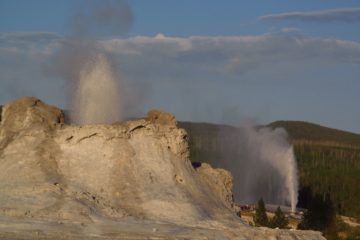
(320, 216)
(260, 218)
(279, 220)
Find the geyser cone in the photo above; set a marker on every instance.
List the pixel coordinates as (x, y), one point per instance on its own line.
(97, 97)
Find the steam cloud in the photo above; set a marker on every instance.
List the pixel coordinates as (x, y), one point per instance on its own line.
(97, 81)
(263, 165)
(96, 93)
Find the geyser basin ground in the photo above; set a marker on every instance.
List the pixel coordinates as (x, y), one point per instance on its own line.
(130, 180)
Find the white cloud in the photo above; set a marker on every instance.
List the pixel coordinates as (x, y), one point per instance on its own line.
(189, 72)
(168, 56)
(328, 15)
(195, 57)
(161, 56)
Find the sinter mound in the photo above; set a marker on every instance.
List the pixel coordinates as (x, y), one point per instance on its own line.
(132, 180)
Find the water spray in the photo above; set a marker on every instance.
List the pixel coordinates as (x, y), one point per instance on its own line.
(97, 95)
(263, 165)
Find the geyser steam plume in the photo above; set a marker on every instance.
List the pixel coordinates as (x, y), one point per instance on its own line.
(96, 95)
(263, 165)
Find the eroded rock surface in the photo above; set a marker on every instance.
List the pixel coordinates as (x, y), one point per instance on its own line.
(221, 181)
(132, 180)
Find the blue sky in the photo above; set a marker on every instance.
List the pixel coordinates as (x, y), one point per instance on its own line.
(181, 18)
(213, 61)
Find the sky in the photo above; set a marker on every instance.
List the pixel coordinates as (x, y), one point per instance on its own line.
(225, 61)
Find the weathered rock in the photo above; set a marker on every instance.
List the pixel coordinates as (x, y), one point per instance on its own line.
(162, 118)
(110, 181)
(221, 180)
(29, 111)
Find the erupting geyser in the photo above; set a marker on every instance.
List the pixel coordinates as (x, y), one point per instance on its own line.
(291, 178)
(263, 165)
(97, 98)
(83, 61)
(275, 152)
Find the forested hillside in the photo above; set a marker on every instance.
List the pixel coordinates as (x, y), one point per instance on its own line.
(329, 163)
(328, 159)
(298, 130)
(205, 140)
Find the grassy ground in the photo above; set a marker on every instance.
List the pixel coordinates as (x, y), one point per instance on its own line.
(347, 228)
(247, 216)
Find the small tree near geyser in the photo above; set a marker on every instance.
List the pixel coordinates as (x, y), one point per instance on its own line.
(279, 220)
(260, 218)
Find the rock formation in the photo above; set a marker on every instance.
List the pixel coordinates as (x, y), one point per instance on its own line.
(130, 180)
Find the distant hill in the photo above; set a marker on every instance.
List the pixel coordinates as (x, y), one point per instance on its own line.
(328, 159)
(298, 130)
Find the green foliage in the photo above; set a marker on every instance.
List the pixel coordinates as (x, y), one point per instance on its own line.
(320, 216)
(205, 141)
(279, 220)
(332, 170)
(329, 163)
(260, 218)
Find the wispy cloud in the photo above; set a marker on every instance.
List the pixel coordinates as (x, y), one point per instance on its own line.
(291, 30)
(163, 57)
(328, 15)
(22, 58)
(29, 42)
(200, 66)
(224, 55)
(28, 36)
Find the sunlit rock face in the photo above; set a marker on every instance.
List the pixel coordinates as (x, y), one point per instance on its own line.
(124, 180)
